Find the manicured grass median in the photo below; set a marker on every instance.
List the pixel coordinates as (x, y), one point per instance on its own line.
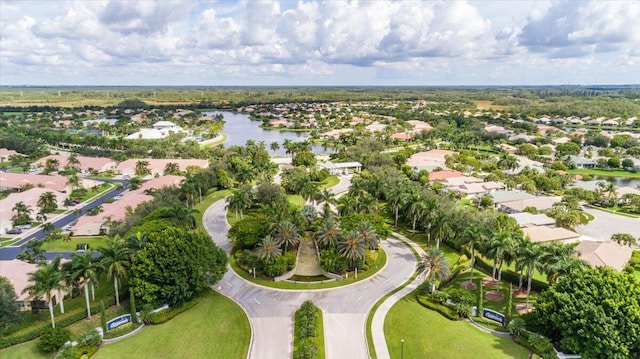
(331, 181)
(427, 334)
(25, 350)
(215, 328)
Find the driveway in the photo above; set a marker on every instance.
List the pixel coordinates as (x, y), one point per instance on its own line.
(606, 224)
(345, 309)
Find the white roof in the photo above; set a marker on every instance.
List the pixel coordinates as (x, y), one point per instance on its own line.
(329, 165)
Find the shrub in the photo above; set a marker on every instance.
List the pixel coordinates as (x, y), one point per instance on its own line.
(168, 314)
(53, 339)
(438, 297)
(461, 296)
(332, 262)
(442, 309)
(463, 310)
(306, 318)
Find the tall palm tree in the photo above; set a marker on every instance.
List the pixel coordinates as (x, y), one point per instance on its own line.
(178, 215)
(114, 258)
(500, 245)
(346, 205)
(136, 242)
(45, 280)
(56, 265)
(142, 168)
(171, 168)
(440, 227)
(238, 201)
(352, 247)
(85, 268)
(287, 233)
(436, 265)
(368, 234)
(530, 256)
(558, 260)
(268, 249)
(396, 196)
(470, 238)
(48, 227)
(21, 209)
(326, 197)
(328, 234)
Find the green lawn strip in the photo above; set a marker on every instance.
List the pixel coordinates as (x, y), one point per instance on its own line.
(587, 216)
(25, 350)
(86, 325)
(215, 328)
(427, 334)
(91, 192)
(296, 200)
(614, 211)
(604, 173)
(219, 141)
(9, 241)
(268, 282)
(329, 182)
(94, 242)
(206, 203)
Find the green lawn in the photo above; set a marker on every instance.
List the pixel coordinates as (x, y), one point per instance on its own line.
(25, 350)
(215, 328)
(329, 182)
(69, 246)
(427, 334)
(604, 173)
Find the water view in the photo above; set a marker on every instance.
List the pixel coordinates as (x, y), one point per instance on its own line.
(239, 129)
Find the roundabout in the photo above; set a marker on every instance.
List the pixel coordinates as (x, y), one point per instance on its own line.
(345, 308)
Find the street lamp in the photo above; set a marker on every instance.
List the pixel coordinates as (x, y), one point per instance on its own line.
(401, 348)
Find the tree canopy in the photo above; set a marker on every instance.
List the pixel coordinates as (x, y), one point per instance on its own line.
(593, 312)
(175, 265)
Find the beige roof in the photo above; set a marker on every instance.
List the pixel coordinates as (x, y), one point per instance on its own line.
(547, 234)
(158, 165)
(5, 153)
(17, 180)
(609, 254)
(97, 163)
(17, 272)
(375, 127)
(30, 198)
(459, 181)
(627, 190)
(429, 158)
(540, 203)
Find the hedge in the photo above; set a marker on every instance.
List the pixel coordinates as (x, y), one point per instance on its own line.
(64, 322)
(168, 314)
(443, 309)
(305, 331)
(86, 346)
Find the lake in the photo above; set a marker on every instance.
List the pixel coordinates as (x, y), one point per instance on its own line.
(239, 129)
(620, 181)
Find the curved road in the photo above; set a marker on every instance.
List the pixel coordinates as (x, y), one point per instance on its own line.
(345, 309)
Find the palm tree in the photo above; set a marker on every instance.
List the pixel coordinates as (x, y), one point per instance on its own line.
(436, 265)
(47, 202)
(239, 200)
(352, 247)
(85, 268)
(396, 197)
(326, 197)
(268, 249)
(56, 266)
(530, 256)
(328, 234)
(624, 238)
(73, 162)
(275, 146)
(114, 258)
(21, 209)
(45, 280)
(470, 238)
(142, 168)
(309, 191)
(178, 215)
(134, 183)
(346, 205)
(287, 233)
(368, 234)
(440, 227)
(48, 227)
(136, 242)
(171, 168)
(500, 245)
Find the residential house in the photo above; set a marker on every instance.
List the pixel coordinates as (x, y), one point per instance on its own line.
(610, 254)
(17, 272)
(341, 167)
(30, 198)
(157, 166)
(539, 234)
(581, 162)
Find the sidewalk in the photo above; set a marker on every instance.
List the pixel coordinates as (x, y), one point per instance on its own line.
(377, 325)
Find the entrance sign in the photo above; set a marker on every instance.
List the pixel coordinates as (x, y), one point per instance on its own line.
(118, 321)
(493, 315)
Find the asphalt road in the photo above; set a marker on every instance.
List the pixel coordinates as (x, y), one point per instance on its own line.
(606, 224)
(345, 309)
(10, 252)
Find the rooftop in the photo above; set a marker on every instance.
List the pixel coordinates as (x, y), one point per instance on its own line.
(610, 254)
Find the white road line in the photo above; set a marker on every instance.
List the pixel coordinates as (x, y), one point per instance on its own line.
(357, 300)
(254, 298)
(230, 285)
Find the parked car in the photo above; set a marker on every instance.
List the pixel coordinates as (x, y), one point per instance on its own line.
(23, 226)
(76, 201)
(14, 231)
(117, 198)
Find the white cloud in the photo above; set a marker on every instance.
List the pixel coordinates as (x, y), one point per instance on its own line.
(316, 42)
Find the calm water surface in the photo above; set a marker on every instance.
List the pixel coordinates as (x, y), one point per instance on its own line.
(620, 181)
(239, 129)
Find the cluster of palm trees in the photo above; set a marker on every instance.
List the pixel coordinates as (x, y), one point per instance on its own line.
(352, 244)
(84, 271)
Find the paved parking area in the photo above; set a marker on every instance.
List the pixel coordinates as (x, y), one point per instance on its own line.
(606, 224)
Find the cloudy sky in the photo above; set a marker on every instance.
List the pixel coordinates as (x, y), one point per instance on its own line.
(255, 42)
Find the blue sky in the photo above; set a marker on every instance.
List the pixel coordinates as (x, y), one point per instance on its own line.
(319, 43)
